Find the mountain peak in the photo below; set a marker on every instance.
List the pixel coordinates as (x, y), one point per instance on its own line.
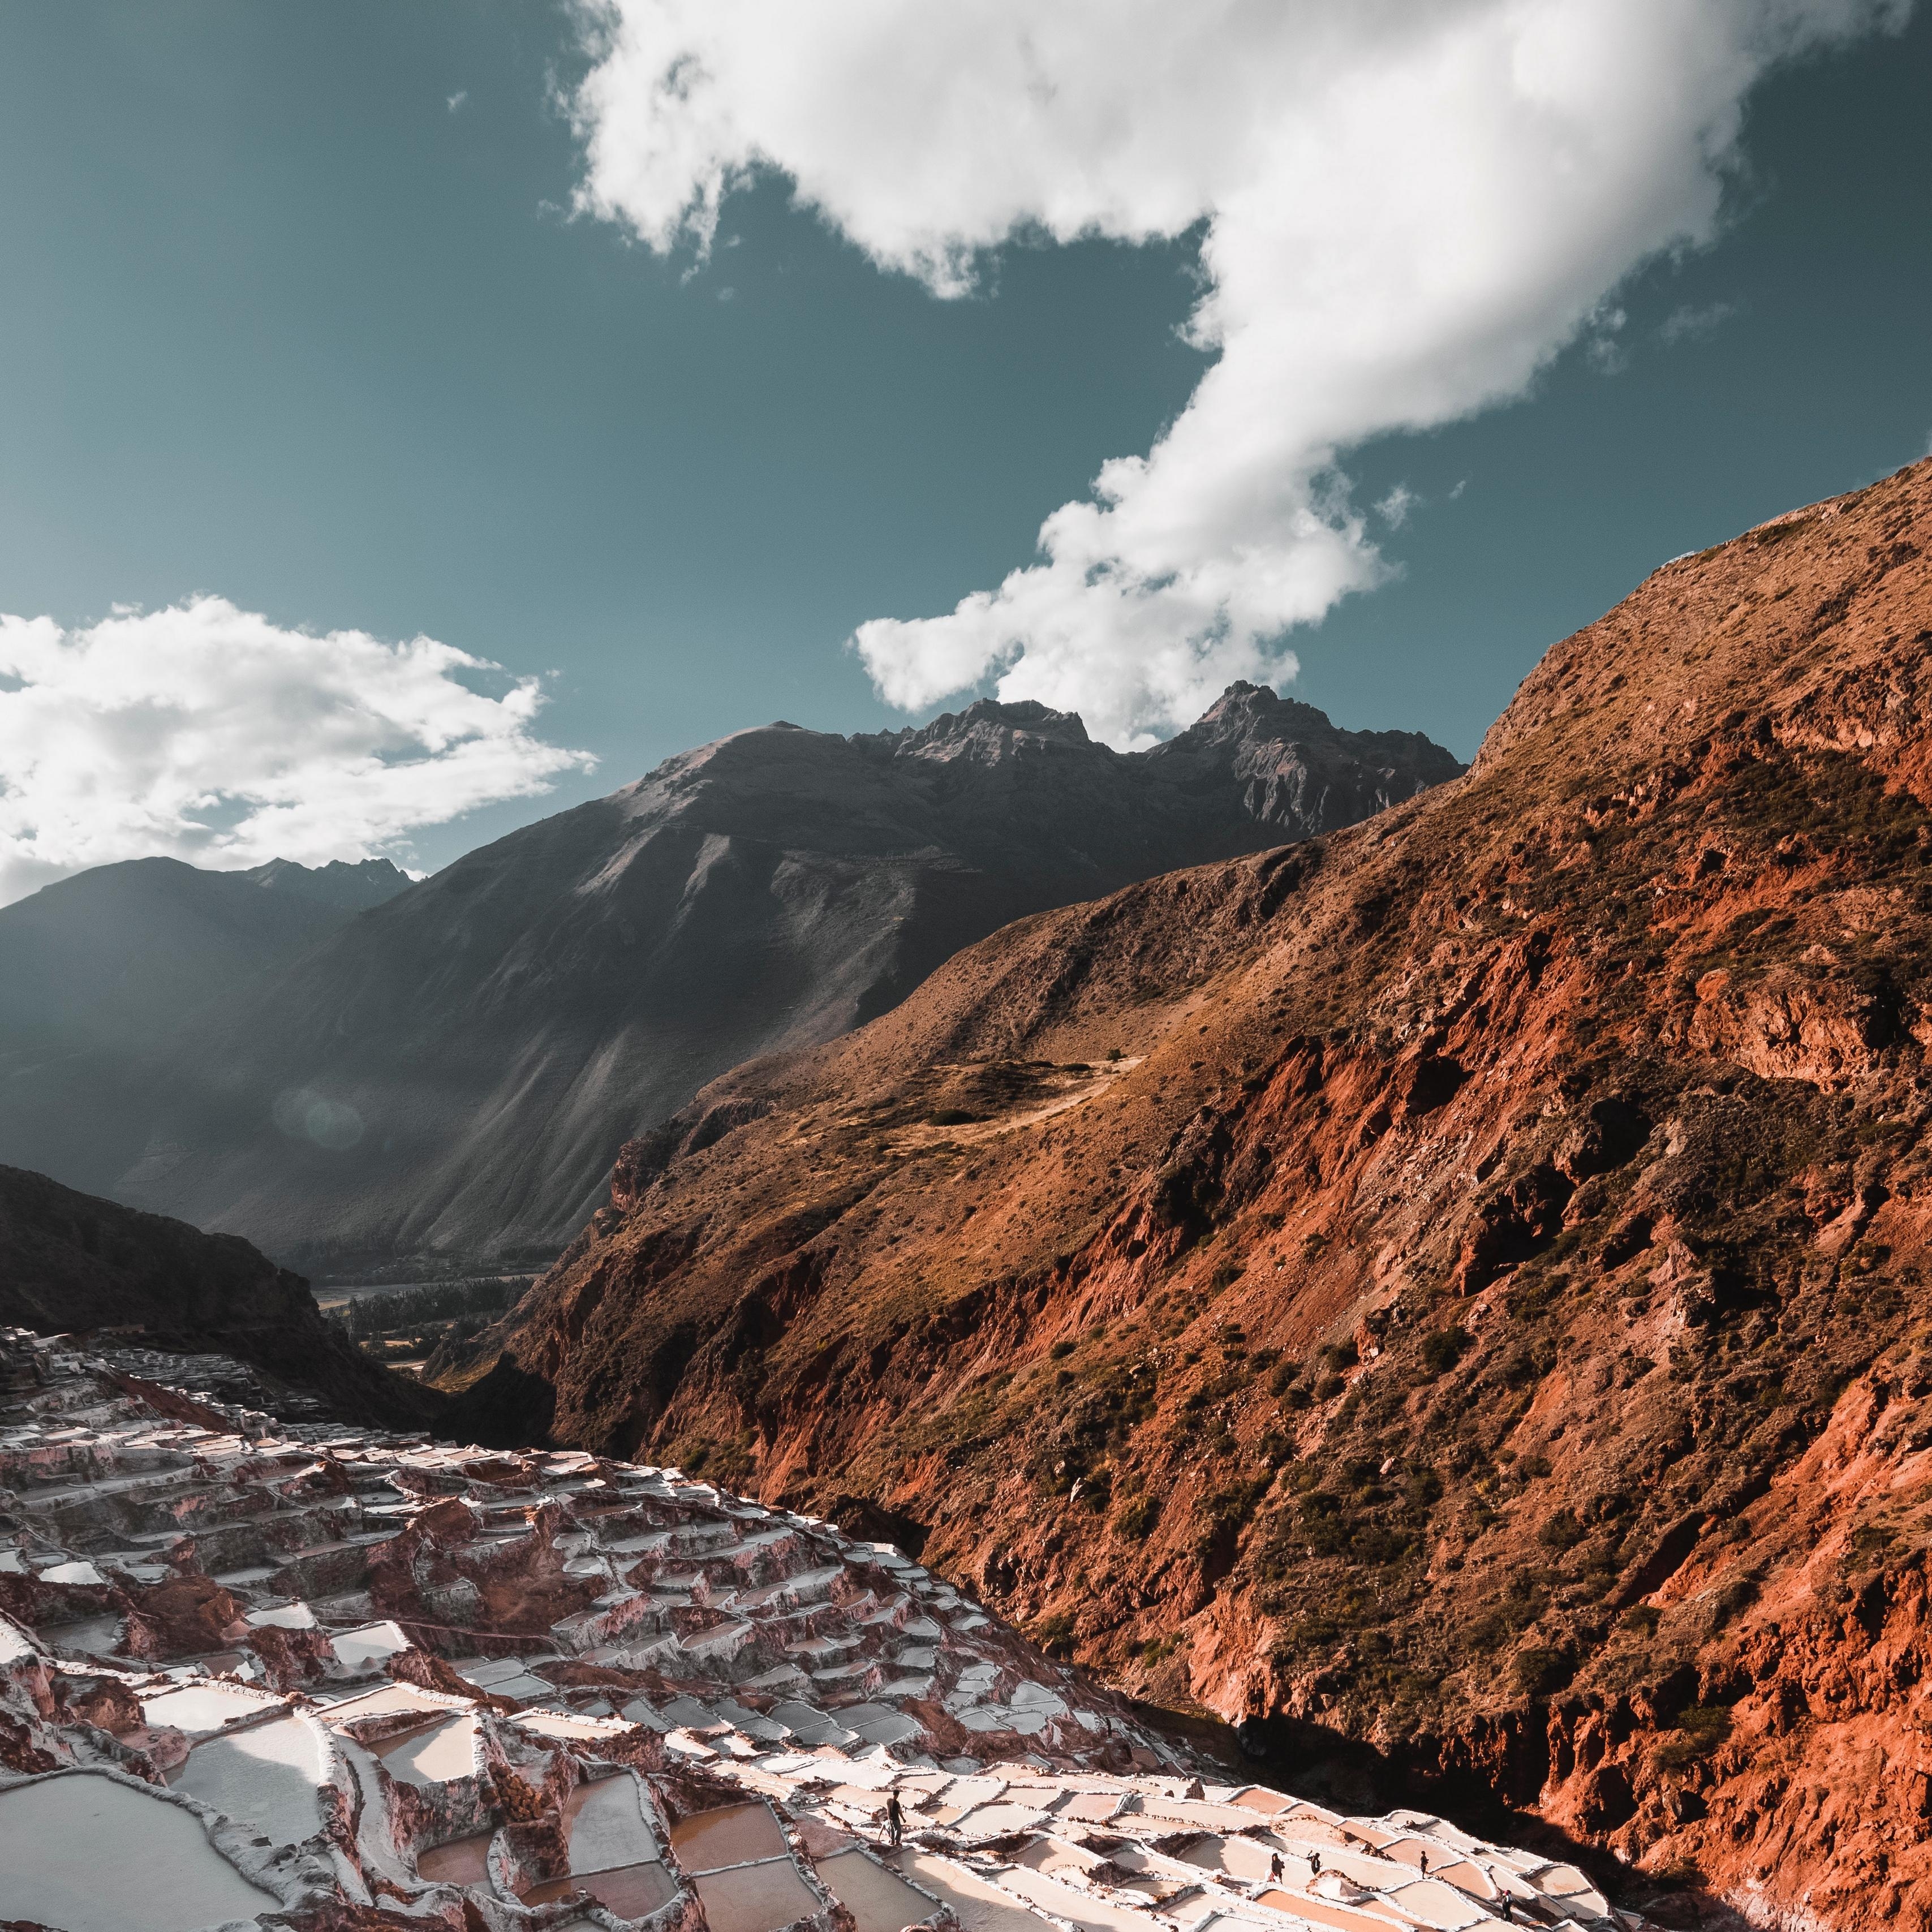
(989, 728)
(351, 885)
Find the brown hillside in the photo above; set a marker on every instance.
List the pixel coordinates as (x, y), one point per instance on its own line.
(1480, 1311)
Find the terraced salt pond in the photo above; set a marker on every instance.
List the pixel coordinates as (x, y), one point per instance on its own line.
(734, 1834)
(756, 1898)
(794, 1669)
(201, 1708)
(266, 1777)
(880, 1900)
(87, 1853)
(434, 1755)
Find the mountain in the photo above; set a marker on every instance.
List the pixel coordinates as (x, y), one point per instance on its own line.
(69, 1262)
(1454, 1291)
(96, 970)
(450, 1074)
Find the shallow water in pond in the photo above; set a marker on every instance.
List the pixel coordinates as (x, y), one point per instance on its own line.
(607, 1826)
(732, 1835)
(980, 1907)
(755, 1898)
(266, 1777)
(632, 1891)
(433, 1755)
(880, 1900)
(461, 1861)
(205, 1707)
(89, 1855)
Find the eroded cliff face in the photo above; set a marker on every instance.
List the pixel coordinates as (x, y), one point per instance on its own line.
(1458, 1284)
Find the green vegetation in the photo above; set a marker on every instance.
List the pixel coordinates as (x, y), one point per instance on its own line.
(410, 1321)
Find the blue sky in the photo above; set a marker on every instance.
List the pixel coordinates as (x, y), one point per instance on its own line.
(298, 316)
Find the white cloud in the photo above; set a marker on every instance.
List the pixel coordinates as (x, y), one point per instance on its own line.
(1410, 206)
(456, 100)
(1393, 508)
(205, 733)
(1691, 325)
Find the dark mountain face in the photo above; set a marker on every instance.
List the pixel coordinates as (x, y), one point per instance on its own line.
(69, 1263)
(119, 951)
(96, 970)
(451, 1074)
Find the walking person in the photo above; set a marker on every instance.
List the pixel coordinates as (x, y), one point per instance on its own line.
(894, 1819)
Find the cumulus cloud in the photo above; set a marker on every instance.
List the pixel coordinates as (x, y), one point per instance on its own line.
(1406, 208)
(206, 733)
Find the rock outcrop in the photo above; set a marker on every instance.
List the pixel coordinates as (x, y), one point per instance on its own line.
(450, 1075)
(1456, 1288)
(69, 1262)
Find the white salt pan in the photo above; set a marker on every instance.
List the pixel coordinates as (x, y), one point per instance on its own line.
(607, 1827)
(199, 1708)
(73, 1572)
(360, 1650)
(434, 1757)
(880, 1900)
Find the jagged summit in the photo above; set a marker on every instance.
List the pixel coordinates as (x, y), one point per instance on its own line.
(990, 728)
(353, 885)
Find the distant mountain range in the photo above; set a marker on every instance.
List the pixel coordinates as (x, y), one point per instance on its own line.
(99, 972)
(356, 1072)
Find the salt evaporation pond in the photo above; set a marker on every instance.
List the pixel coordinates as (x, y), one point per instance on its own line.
(460, 1861)
(202, 1707)
(979, 1907)
(880, 1900)
(755, 1898)
(732, 1835)
(632, 1892)
(89, 1854)
(434, 1756)
(607, 1828)
(266, 1777)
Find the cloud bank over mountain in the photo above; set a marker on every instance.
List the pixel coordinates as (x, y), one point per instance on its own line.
(1405, 211)
(206, 733)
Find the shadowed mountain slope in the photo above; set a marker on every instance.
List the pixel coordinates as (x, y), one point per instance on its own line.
(451, 1074)
(70, 1263)
(1458, 1285)
(98, 970)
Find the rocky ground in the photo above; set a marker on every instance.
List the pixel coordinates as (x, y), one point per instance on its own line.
(1453, 1288)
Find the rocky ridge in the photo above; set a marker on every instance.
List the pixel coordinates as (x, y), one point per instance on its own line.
(450, 1075)
(162, 1290)
(1451, 1294)
(330, 1682)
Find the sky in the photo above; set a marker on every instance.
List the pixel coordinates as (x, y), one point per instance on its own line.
(415, 420)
